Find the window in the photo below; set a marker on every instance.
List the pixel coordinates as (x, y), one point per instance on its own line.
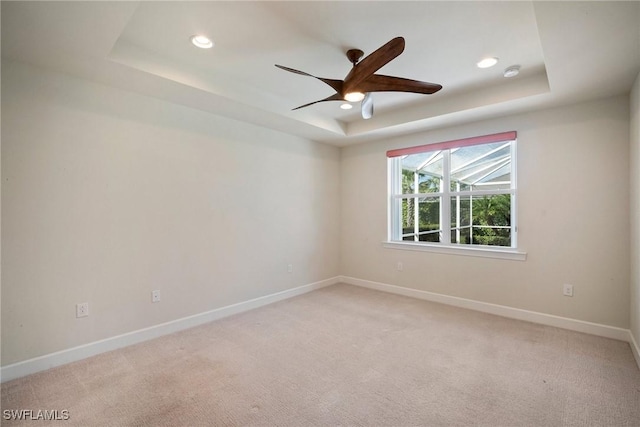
(455, 194)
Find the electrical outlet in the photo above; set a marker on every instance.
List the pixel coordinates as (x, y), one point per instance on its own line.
(290, 268)
(567, 290)
(82, 309)
(155, 296)
(400, 267)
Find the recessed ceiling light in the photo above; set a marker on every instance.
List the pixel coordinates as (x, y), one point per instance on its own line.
(201, 41)
(346, 106)
(512, 71)
(487, 62)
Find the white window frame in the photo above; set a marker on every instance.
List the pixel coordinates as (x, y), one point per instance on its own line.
(395, 196)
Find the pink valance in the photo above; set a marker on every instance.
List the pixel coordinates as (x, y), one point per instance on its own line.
(465, 142)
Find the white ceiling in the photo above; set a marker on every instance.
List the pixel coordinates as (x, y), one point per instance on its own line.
(568, 52)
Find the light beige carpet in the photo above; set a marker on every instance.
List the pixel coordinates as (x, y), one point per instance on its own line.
(347, 356)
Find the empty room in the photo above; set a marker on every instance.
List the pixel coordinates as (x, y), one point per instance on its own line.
(367, 213)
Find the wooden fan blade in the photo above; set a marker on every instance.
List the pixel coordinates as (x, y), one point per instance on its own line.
(334, 97)
(381, 83)
(367, 106)
(372, 63)
(335, 84)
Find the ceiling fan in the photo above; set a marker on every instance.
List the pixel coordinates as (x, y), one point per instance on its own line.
(361, 80)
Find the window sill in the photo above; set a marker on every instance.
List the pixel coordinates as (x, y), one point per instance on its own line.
(483, 252)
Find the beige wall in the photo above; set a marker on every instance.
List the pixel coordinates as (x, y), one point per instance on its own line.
(635, 210)
(573, 179)
(107, 195)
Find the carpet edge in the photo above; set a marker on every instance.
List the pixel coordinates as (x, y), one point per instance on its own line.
(597, 329)
(63, 357)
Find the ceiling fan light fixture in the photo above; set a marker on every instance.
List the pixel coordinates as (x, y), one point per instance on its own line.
(487, 62)
(346, 106)
(203, 42)
(354, 96)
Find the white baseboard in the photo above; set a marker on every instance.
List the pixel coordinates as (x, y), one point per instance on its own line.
(500, 310)
(635, 349)
(63, 357)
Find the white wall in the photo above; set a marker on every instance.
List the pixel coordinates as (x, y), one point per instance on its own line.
(107, 195)
(573, 178)
(635, 212)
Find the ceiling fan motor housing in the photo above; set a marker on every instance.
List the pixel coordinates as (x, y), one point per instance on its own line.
(354, 55)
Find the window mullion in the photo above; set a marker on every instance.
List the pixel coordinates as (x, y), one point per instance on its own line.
(458, 212)
(395, 184)
(445, 201)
